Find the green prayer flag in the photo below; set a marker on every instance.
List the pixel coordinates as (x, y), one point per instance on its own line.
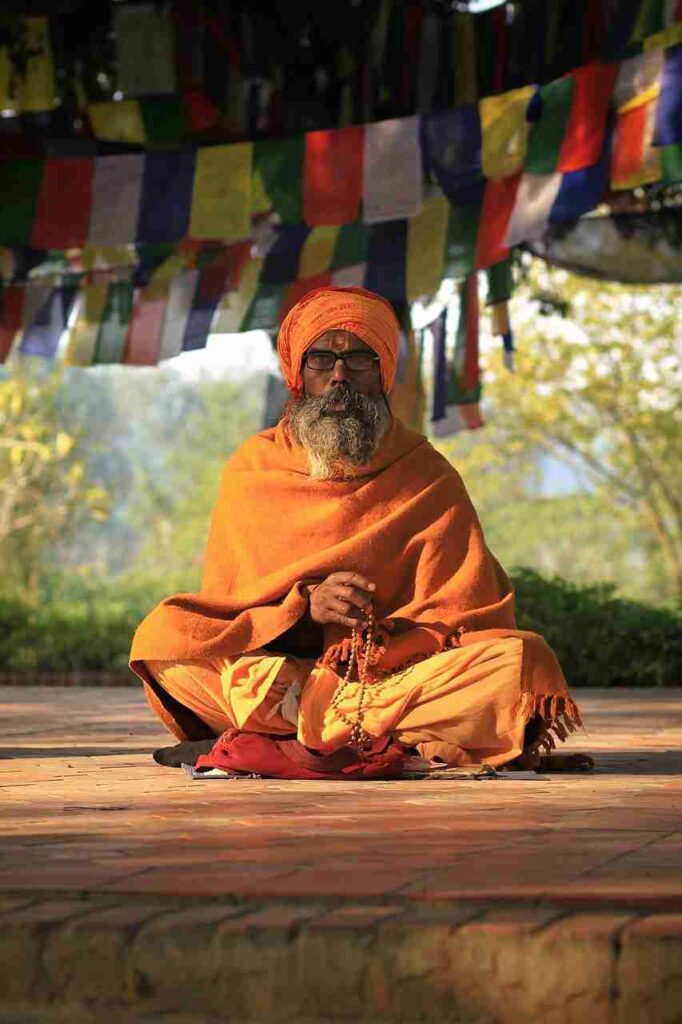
(671, 164)
(351, 245)
(460, 241)
(19, 187)
(264, 309)
(165, 120)
(280, 164)
(115, 320)
(464, 384)
(547, 134)
(500, 282)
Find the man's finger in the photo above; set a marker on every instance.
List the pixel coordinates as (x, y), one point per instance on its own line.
(353, 578)
(360, 598)
(347, 609)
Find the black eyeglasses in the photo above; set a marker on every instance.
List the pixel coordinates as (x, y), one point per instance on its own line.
(357, 360)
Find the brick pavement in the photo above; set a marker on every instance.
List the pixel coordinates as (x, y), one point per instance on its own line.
(125, 886)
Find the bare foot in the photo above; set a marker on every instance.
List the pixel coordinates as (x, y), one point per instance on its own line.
(573, 762)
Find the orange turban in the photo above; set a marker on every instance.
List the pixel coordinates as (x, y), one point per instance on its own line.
(365, 313)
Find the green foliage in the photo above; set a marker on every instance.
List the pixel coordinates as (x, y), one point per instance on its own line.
(601, 639)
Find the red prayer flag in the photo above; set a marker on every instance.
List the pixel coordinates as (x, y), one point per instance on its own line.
(628, 143)
(584, 138)
(143, 342)
(498, 203)
(62, 213)
(333, 175)
(298, 289)
(471, 373)
(11, 309)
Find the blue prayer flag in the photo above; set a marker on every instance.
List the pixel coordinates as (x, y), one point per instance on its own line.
(668, 128)
(166, 197)
(451, 150)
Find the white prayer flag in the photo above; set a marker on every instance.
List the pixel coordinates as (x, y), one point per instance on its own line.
(145, 48)
(350, 277)
(638, 79)
(116, 199)
(178, 308)
(392, 170)
(534, 201)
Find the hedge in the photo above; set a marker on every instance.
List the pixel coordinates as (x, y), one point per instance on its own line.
(599, 638)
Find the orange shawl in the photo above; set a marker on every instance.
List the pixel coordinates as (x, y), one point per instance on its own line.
(405, 522)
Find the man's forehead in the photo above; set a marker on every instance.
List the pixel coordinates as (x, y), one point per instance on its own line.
(339, 341)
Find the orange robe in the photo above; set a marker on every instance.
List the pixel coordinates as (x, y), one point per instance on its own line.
(451, 673)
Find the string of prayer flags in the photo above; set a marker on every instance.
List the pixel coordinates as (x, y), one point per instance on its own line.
(586, 127)
(166, 199)
(117, 188)
(504, 132)
(278, 164)
(392, 170)
(47, 319)
(62, 209)
(451, 145)
(535, 198)
(464, 382)
(113, 331)
(498, 203)
(12, 298)
(426, 235)
(669, 112)
(333, 175)
(221, 197)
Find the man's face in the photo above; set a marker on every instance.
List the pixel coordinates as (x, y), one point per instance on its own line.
(323, 382)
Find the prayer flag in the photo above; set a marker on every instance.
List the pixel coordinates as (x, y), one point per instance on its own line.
(63, 207)
(118, 121)
(634, 161)
(42, 333)
(582, 190)
(143, 341)
(265, 310)
(37, 90)
(351, 245)
(547, 133)
(584, 139)
(386, 272)
(638, 79)
(283, 259)
(145, 48)
(166, 196)
(165, 120)
(12, 298)
(533, 204)
(218, 277)
(498, 203)
(392, 170)
(440, 369)
(180, 298)
(113, 329)
(19, 187)
(333, 175)
(464, 58)
(221, 200)
(504, 130)
(318, 250)
(234, 306)
(451, 144)
(426, 235)
(83, 334)
(670, 36)
(116, 199)
(671, 164)
(460, 243)
(350, 277)
(279, 163)
(669, 114)
(464, 383)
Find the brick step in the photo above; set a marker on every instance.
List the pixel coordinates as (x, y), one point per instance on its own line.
(76, 959)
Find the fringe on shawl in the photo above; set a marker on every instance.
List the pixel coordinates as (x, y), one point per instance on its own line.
(559, 714)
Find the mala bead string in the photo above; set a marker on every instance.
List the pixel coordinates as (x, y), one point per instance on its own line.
(359, 738)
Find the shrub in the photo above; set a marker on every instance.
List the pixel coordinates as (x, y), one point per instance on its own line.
(600, 639)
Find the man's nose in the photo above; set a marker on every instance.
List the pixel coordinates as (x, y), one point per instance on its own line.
(339, 373)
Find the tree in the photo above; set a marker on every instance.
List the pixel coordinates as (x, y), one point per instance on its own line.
(44, 488)
(598, 389)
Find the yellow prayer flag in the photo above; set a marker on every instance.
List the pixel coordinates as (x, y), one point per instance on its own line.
(83, 334)
(118, 122)
(652, 93)
(221, 200)
(233, 306)
(670, 36)
(504, 131)
(38, 87)
(426, 235)
(318, 250)
(260, 200)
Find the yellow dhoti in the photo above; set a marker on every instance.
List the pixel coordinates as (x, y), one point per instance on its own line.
(463, 706)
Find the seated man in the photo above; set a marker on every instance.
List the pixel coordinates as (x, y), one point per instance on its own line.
(347, 591)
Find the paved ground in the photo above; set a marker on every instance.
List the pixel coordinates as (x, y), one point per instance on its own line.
(94, 831)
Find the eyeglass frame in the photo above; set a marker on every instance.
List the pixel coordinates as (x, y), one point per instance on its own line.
(342, 356)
